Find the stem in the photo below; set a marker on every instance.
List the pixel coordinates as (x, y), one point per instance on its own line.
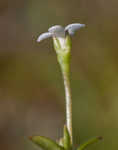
(68, 103)
(63, 49)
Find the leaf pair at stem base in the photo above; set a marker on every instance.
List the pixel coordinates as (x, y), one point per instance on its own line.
(63, 144)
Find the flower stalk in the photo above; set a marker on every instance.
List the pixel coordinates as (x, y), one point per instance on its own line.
(68, 104)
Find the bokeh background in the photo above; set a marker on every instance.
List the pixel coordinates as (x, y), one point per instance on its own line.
(31, 87)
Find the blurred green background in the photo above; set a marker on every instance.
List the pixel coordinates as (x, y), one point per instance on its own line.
(31, 87)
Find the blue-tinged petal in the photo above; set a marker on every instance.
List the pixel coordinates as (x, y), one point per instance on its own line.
(44, 36)
(57, 30)
(72, 28)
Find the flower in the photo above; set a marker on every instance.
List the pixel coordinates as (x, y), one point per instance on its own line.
(60, 32)
(62, 43)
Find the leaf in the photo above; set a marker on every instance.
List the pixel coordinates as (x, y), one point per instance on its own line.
(89, 142)
(66, 139)
(45, 143)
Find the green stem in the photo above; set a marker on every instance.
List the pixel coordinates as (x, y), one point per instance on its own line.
(63, 49)
(68, 103)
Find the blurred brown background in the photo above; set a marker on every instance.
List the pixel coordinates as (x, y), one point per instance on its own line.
(31, 87)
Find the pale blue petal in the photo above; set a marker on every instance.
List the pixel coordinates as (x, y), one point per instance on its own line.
(44, 36)
(57, 30)
(72, 28)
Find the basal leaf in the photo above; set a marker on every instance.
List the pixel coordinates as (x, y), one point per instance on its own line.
(45, 143)
(89, 142)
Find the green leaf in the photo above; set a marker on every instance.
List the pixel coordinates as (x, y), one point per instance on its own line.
(66, 139)
(45, 143)
(89, 142)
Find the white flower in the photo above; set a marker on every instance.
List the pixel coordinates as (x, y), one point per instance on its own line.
(62, 43)
(60, 32)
